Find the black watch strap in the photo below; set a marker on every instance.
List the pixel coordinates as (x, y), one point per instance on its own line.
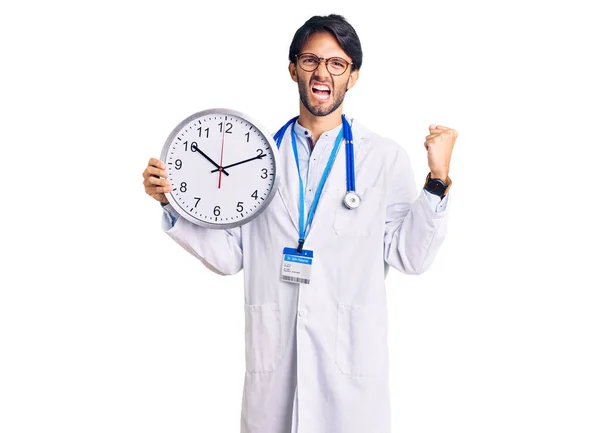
(437, 186)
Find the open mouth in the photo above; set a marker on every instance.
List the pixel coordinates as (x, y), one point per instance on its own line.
(321, 91)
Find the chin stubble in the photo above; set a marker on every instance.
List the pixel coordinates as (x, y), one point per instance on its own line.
(316, 110)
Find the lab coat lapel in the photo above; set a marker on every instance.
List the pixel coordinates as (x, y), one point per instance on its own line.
(289, 185)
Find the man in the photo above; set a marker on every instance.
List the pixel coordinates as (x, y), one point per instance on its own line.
(316, 354)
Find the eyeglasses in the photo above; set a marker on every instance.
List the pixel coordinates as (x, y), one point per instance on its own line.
(310, 62)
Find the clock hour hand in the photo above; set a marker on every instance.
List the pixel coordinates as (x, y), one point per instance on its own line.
(211, 161)
(262, 155)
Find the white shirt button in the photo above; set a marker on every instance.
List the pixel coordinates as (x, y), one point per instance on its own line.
(302, 313)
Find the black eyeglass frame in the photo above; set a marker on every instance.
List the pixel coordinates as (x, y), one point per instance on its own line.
(346, 62)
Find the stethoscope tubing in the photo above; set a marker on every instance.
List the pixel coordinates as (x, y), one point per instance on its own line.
(350, 174)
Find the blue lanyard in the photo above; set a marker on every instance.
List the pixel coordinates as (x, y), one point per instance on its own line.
(346, 133)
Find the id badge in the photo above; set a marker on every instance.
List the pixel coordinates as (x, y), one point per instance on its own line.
(296, 266)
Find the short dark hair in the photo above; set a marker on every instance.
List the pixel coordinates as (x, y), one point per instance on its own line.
(338, 27)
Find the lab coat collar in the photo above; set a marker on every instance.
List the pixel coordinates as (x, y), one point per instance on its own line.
(301, 131)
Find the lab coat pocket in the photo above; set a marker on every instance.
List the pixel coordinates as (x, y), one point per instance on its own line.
(362, 221)
(263, 337)
(361, 340)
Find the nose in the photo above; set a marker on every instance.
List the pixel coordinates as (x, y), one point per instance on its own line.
(322, 70)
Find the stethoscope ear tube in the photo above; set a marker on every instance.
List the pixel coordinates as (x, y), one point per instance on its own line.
(279, 134)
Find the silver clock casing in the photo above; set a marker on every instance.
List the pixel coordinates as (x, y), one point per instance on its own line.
(271, 144)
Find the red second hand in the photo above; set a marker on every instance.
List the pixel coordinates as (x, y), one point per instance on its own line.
(221, 163)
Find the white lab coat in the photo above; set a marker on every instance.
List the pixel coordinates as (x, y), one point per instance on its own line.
(317, 354)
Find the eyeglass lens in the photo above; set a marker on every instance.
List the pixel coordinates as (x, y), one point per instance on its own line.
(335, 65)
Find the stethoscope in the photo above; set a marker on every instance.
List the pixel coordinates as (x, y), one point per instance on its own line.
(351, 199)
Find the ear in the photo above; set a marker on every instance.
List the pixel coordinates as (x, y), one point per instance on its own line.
(352, 80)
(293, 71)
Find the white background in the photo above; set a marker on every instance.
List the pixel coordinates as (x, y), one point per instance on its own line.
(106, 325)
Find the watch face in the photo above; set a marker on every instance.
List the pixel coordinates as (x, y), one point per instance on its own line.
(222, 166)
(436, 187)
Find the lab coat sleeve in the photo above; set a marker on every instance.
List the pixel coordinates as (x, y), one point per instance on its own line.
(437, 204)
(414, 226)
(219, 250)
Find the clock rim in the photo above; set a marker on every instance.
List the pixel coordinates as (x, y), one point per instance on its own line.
(271, 142)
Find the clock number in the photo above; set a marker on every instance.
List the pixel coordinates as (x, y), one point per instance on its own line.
(197, 201)
(217, 210)
(239, 207)
(178, 164)
(260, 152)
(200, 132)
(264, 173)
(228, 127)
(255, 195)
(183, 187)
(193, 146)
(247, 137)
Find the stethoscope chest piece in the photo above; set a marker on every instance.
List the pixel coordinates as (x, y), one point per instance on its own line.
(351, 200)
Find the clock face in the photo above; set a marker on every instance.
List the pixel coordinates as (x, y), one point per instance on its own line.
(222, 166)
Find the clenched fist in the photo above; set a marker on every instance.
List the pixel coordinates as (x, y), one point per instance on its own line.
(156, 183)
(439, 144)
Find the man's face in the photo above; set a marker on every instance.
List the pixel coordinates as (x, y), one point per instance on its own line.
(320, 92)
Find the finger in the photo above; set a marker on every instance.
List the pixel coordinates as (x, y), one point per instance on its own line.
(153, 171)
(154, 162)
(447, 132)
(152, 190)
(451, 132)
(153, 182)
(442, 133)
(158, 181)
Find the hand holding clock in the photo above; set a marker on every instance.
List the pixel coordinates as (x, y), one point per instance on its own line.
(156, 183)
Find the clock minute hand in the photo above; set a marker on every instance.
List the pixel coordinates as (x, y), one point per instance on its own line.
(212, 162)
(242, 162)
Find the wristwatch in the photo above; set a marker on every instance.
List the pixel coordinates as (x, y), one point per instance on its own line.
(437, 186)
